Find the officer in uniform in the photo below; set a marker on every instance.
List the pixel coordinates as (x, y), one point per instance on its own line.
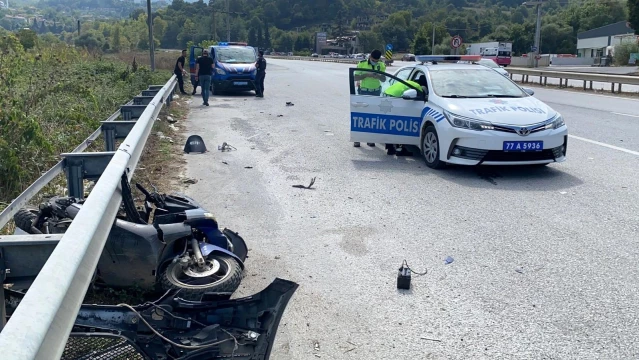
(370, 83)
(397, 90)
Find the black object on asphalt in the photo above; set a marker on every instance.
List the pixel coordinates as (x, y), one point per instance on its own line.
(403, 277)
(195, 144)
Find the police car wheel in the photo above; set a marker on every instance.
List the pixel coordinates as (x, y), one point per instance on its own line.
(431, 149)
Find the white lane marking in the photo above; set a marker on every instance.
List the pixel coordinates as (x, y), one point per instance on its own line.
(605, 145)
(616, 113)
(583, 93)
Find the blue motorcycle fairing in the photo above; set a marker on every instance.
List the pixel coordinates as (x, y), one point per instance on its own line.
(207, 249)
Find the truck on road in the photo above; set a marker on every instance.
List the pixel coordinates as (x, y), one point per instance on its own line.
(498, 51)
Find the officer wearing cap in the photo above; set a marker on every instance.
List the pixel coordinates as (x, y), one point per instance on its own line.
(370, 83)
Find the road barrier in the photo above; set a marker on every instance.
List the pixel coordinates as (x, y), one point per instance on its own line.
(319, 59)
(40, 326)
(587, 78)
(564, 76)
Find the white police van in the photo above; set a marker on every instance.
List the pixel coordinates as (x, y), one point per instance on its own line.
(467, 114)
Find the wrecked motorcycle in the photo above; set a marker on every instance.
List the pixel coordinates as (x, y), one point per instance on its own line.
(172, 328)
(172, 243)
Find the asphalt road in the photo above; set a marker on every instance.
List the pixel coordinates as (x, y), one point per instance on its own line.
(545, 260)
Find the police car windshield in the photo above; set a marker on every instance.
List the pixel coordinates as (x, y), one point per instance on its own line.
(472, 83)
(235, 55)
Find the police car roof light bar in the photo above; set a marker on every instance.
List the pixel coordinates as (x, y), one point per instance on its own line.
(446, 58)
(231, 43)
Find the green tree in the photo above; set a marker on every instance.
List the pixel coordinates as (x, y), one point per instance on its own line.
(116, 39)
(28, 38)
(633, 14)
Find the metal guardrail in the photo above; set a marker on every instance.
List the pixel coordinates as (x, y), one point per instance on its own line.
(318, 59)
(524, 72)
(40, 326)
(564, 76)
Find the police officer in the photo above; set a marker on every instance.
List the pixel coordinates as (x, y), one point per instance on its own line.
(260, 65)
(370, 83)
(397, 90)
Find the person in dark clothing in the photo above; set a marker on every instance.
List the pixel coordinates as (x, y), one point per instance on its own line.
(204, 71)
(260, 64)
(196, 82)
(179, 71)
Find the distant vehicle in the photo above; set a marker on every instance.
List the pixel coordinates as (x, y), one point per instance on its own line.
(408, 57)
(493, 65)
(234, 69)
(500, 52)
(314, 55)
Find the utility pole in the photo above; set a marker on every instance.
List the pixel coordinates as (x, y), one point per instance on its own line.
(432, 49)
(537, 29)
(228, 22)
(151, 42)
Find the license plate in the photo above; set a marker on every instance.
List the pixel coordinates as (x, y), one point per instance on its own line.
(240, 83)
(523, 145)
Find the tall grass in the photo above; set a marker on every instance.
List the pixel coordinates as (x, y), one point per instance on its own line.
(51, 98)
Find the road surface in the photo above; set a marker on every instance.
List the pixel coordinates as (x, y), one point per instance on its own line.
(545, 260)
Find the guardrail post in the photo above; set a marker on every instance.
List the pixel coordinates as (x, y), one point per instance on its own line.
(612, 88)
(590, 85)
(545, 80)
(619, 88)
(584, 84)
(75, 180)
(3, 276)
(80, 166)
(109, 138)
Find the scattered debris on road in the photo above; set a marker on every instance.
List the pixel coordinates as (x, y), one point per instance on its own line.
(430, 339)
(225, 163)
(190, 181)
(248, 167)
(171, 119)
(226, 147)
(306, 187)
(288, 103)
(448, 260)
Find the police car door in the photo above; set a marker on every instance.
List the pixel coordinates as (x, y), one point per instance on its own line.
(382, 118)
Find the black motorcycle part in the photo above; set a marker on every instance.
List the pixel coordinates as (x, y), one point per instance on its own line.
(25, 219)
(193, 288)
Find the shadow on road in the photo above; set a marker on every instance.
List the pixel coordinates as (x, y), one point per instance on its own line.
(516, 178)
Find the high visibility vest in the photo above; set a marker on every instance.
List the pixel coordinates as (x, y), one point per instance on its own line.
(368, 83)
(398, 88)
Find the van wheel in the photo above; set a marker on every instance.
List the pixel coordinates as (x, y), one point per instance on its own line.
(431, 149)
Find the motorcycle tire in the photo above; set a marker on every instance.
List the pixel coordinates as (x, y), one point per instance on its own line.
(228, 283)
(24, 219)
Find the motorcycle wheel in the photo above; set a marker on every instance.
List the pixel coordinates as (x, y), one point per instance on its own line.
(24, 219)
(225, 276)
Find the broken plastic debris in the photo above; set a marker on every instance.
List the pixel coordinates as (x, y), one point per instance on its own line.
(448, 260)
(226, 147)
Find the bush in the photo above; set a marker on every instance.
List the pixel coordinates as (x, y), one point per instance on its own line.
(622, 53)
(54, 98)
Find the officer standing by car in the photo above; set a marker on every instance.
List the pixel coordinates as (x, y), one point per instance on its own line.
(370, 83)
(260, 65)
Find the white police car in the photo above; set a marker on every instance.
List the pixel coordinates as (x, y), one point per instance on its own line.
(467, 115)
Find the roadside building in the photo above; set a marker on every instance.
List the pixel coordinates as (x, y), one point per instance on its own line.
(598, 42)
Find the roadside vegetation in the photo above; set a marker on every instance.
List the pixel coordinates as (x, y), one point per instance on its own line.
(53, 97)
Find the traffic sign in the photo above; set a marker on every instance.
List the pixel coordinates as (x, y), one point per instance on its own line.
(456, 41)
(389, 47)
